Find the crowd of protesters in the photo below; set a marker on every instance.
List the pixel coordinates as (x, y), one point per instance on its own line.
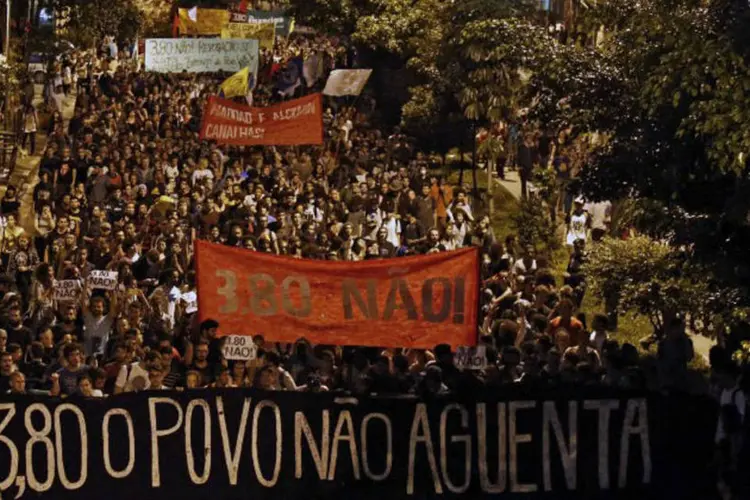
(125, 185)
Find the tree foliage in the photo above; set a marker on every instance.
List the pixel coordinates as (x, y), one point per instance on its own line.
(658, 281)
(156, 16)
(534, 227)
(676, 140)
(666, 90)
(336, 17)
(464, 56)
(11, 75)
(88, 21)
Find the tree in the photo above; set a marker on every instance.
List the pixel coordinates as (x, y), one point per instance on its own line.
(156, 15)
(337, 17)
(88, 21)
(534, 227)
(668, 89)
(659, 282)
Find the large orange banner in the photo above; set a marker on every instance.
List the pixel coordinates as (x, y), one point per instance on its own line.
(295, 122)
(416, 302)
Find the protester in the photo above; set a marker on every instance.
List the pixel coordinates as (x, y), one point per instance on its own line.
(126, 187)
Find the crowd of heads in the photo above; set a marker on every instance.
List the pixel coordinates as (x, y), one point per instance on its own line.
(126, 185)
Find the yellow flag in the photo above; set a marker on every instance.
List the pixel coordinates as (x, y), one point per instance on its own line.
(197, 21)
(237, 84)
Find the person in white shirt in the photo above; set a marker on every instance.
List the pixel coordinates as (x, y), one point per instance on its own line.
(86, 388)
(393, 225)
(525, 265)
(156, 377)
(462, 203)
(578, 225)
(600, 216)
(346, 128)
(97, 324)
(132, 378)
(462, 228)
(171, 170)
(202, 172)
(599, 334)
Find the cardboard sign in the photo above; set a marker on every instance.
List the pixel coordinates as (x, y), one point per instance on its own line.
(284, 24)
(415, 302)
(290, 123)
(239, 348)
(471, 358)
(200, 55)
(67, 290)
(343, 82)
(191, 302)
(265, 33)
(104, 280)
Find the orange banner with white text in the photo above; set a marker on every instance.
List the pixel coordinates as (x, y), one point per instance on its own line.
(295, 122)
(415, 302)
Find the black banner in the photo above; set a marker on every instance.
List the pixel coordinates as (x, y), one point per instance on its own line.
(582, 443)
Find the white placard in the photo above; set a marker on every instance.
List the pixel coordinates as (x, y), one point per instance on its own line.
(67, 290)
(239, 347)
(191, 302)
(346, 82)
(201, 55)
(104, 280)
(471, 358)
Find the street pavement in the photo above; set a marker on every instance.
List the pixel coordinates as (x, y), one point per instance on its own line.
(26, 174)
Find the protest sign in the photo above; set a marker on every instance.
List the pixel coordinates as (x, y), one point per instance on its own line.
(414, 302)
(67, 290)
(238, 17)
(105, 280)
(239, 347)
(198, 55)
(471, 358)
(524, 443)
(343, 82)
(284, 25)
(197, 21)
(264, 32)
(190, 299)
(295, 122)
(313, 68)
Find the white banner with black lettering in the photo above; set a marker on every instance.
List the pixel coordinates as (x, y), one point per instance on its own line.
(201, 55)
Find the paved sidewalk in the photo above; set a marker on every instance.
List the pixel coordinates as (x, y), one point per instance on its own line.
(701, 345)
(26, 174)
(511, 183)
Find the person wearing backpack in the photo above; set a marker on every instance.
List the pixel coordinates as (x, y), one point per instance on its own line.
(731, 428)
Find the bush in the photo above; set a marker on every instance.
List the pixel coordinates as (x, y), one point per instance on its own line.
(648, 277)
(534, 227)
